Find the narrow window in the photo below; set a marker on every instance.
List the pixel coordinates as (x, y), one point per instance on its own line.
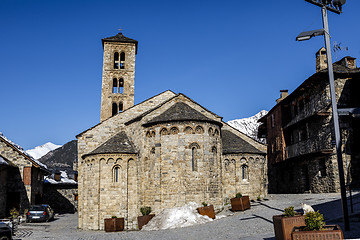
(193, 160)
(322, 167)
(115, 90)
(121, 85)
(120, 107)
(122, 60)
(244, 169)
(114, 109)
(116, 174)
(116, 60)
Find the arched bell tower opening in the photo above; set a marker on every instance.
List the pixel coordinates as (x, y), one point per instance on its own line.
(118, 79)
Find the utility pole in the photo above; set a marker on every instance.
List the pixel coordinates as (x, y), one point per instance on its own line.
(336, 7)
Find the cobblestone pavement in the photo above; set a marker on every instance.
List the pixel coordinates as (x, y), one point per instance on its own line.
(255, 223)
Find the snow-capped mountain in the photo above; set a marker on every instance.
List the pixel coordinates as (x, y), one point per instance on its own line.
(249, 126)
(42, 150)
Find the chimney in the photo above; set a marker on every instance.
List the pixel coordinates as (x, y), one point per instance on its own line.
(283, 94)
(321, 59)
(57, 176)
(348, 62)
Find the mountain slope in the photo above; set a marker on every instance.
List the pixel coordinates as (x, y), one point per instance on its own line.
(249, 126)
(42, 150)
(61, 158)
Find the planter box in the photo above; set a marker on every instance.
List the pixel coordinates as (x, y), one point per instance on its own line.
(283, 226)
(329, 232)
(114, 224)
(208, 211)
(143, 220)
(240, 204)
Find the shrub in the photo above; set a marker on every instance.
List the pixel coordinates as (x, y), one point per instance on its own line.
(238, 195)
(145, 210)
(314, 221)
(289, 212)
(14, 213)
(113, 216)
(204, 204)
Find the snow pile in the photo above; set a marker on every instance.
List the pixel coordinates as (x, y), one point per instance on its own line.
(63, 179)
(249, 126)
(20, 149)
(42, 150)
(184, 216)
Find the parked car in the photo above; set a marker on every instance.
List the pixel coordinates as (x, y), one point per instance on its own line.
(39, 213)
(5, 232)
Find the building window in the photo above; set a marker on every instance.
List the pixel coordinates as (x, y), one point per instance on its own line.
(121, 85)
(193, 159)
(122, 60)
(194, 156)
(116, 173)
(245, 172)
(322, 167)
(116, 60)
(214, 155)
(272, 120)
(115, 89)
(120, 107)
(114, 109)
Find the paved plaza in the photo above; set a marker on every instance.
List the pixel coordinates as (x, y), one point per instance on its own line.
(255, 223)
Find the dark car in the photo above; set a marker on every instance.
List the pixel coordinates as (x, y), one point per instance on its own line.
(5, 232)
(40, 213)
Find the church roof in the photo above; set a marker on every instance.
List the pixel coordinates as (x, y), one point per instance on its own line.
(121, 38)
(120, 143)
(180, 112)
(234, 144)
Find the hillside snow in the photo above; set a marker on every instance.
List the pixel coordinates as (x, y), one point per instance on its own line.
(249, 126)
(42, 150)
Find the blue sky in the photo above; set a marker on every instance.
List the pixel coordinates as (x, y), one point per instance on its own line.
(232, 57)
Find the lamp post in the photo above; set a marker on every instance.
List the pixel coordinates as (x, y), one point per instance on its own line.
(336, 7)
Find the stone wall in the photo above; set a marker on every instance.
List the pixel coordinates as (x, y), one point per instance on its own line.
(61, 197)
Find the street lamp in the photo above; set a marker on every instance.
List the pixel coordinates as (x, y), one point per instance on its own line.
(307, 35)
(336, 7)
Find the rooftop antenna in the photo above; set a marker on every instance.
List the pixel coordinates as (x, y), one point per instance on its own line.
(120, 29)
(337, 47)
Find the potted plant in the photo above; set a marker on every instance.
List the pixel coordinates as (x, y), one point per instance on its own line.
(240, 202)
(284, 224)
(206, 210)
(114, 224)
(146, 216)
(315, 228)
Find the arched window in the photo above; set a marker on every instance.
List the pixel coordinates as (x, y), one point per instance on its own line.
(214, 154)
(121, 85)
(194, 156)
(115, 89)
(245, 172)
(163, 131)
(116, 173)
(120, 107)
(193, 159)
(114, 109)
(122, 60)
(116, 60)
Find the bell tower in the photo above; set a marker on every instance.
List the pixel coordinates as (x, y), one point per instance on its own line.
(118, 77)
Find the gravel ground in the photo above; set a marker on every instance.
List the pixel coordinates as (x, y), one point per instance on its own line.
(255, 223)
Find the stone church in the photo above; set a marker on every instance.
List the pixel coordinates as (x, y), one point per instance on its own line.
(163, 152)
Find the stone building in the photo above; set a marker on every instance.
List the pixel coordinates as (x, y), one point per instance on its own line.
(21, 178)
(300, 136)
(163, 152)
